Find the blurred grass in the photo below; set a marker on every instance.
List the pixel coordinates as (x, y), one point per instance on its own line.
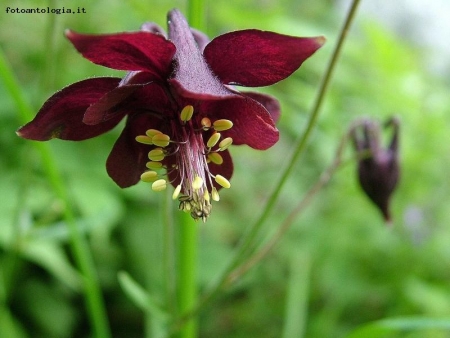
(359, 271)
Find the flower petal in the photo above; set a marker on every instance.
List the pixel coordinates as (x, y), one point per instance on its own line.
(127, 51)
(154, 28)
(252, 123)
(269, 102)
(193, 78)
(127, 159)
(103, 109)
(257, 58)
(128, 99)
(62, 114)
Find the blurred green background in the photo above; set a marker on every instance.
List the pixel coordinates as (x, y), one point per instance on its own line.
(338, 268)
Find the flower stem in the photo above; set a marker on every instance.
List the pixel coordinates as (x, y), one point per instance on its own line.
(324, 178)
(196, 17)
(94, 302)
(187, 273)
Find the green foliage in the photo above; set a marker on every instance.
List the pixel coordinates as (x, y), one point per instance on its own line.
(339, 273)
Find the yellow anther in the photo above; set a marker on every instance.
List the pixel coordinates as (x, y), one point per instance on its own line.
(159, 185)
(176, 192)
(186, 113)
(156, 154)
(187, 207)
(154, 165)
(206, 123)
(221, 125)
(215, 158)
(197, 183)
(152, 132)
(144, 139)
(215, 194)
(206, 196)
(222, 181)
(161, 140)
(149, 176)
(225, 143)
(213, 140)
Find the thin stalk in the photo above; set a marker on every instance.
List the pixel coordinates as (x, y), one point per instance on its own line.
(324, 178)
(94, 302)
(187, 273)
(196, 14)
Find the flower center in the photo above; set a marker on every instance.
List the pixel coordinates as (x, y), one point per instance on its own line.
(185, 159)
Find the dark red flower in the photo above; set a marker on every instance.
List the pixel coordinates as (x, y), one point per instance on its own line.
(182, 112)
(378, 171)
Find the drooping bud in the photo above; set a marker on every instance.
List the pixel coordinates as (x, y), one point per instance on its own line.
(378, 167)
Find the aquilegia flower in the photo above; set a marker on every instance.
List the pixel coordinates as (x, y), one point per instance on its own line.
(182, 111)
(378, 171)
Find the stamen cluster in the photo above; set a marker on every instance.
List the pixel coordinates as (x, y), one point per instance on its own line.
(186, 158)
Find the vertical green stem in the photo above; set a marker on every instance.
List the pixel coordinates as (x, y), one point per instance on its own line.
(94, 303)
(196, 14)
(187, 273)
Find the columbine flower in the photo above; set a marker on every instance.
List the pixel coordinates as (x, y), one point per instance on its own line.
(182, 113)
(378, 170)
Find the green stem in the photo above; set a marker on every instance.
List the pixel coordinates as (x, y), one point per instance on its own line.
(187, 273)
(80, 249)
(195, 14)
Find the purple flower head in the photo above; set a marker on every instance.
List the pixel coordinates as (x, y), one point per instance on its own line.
(378, 171)
(181, 110)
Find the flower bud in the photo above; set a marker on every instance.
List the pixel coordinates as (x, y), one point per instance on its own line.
(378, 167)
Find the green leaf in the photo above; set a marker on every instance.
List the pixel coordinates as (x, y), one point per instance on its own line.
(140, 297)
(297, 295)
(51, 257)
(10, 327)
(394, 325)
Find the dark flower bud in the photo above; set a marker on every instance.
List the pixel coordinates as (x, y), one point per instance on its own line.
(378, 167)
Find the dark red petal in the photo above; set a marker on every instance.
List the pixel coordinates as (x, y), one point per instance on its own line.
(103, 109)
(269, 102)
(193, 78)
(62, 114)
(252, 123)
(128, 99)
(127, 159)
(257, 58)
(127, 51)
